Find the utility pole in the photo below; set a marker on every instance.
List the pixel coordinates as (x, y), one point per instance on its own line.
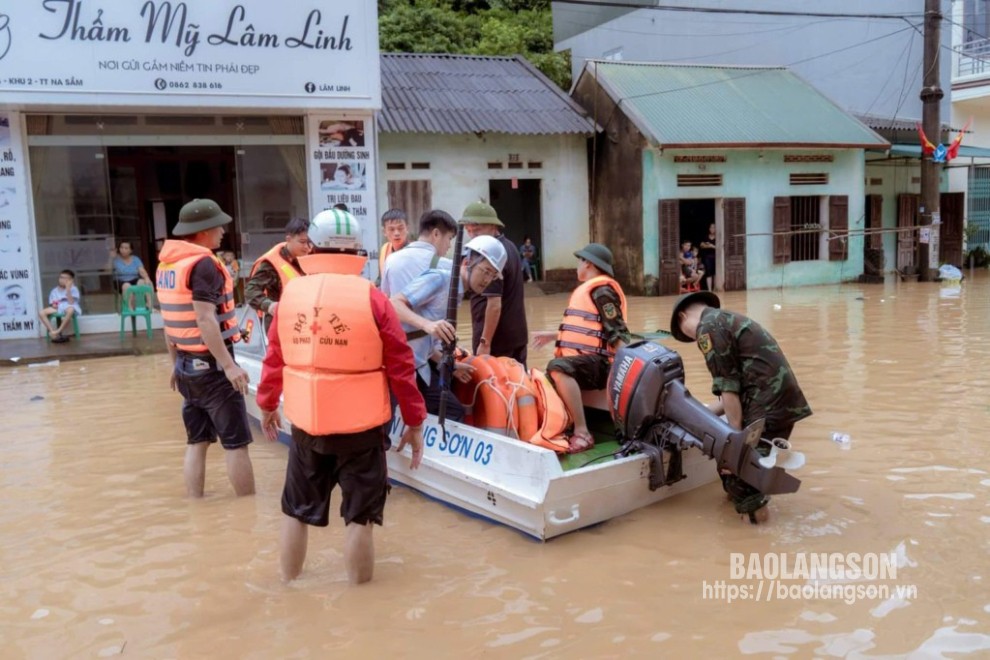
(931, 96)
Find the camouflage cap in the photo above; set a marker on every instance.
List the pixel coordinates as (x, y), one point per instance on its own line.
(480, 213)
(200, 215)
(685, 301)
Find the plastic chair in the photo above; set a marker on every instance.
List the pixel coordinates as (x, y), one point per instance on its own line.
(139, 293)
(56, 320)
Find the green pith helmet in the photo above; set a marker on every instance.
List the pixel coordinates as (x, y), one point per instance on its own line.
(599, 255)
(480, 213)
(200, 215)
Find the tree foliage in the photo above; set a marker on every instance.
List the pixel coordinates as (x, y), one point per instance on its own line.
(474, 27)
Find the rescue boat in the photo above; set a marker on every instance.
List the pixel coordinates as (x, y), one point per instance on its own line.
(529, 488)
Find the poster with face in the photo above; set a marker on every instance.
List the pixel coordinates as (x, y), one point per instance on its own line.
(18, 288)
(342, 173)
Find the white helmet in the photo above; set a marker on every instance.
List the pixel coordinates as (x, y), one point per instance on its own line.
(490, 248)
(335, 229)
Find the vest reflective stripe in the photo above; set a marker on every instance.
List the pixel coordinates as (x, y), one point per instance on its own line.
(178, 313)
(334, 378)
(581, 331)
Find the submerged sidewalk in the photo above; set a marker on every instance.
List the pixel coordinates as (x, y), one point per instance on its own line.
(15, 352)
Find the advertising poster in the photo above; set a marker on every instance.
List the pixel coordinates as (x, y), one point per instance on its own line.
(342, 172)
(305, 53)
(18, 289)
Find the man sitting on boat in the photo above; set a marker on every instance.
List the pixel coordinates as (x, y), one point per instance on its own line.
(422, 308)
(593, 328)
(336, 348)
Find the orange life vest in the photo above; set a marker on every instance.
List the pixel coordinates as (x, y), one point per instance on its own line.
(175, 266)
(581, 331)
(383, 254)
(286, 271)
(553, 416)
(334, 379)
(489, 402)
(525, 396)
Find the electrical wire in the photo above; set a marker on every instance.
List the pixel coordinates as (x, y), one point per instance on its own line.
(723, 10)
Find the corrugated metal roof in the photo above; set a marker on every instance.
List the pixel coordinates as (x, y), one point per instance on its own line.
(678, 105)
(471, 94)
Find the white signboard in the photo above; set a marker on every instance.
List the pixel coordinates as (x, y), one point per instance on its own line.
(342, 162)
(933, 248)
(18, 288)
(224, 53)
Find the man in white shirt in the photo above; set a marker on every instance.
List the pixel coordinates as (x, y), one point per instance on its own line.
(436, 231)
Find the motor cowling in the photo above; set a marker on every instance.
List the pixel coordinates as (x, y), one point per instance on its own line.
(636, 383)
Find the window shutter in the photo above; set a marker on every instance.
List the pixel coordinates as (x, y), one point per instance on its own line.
(838, 228)
(781, 230)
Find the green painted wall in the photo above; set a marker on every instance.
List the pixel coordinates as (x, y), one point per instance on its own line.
(759, 179)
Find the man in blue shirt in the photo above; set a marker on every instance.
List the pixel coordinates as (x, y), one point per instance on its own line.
(436, 231)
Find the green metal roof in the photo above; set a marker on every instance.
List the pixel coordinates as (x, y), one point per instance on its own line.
(914, 151)
(680, 106)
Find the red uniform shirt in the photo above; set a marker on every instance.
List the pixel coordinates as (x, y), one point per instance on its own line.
(396, 356)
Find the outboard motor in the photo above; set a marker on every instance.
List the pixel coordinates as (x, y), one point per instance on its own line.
(654, 413)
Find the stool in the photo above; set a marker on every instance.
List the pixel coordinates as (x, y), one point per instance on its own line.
(56, 320)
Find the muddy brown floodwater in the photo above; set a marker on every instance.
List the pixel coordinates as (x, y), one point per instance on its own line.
(101, 554)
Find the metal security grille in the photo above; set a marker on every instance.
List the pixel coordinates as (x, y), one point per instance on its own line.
(809, 178)
(698, 180)
(979, 206)
(806, 227)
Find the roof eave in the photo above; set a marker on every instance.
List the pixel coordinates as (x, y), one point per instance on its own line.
(775, 145)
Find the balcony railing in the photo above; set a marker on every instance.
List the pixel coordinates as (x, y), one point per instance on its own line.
(974, 58)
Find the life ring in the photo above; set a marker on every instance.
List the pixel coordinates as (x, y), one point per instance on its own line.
(553, 416)
(488, 400)
(525, 395)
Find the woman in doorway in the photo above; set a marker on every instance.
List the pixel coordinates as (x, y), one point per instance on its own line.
(707, 256)
(128, 270)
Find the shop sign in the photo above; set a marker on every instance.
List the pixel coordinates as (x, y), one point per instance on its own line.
(226, 53)
(18, 274)
(342, 172)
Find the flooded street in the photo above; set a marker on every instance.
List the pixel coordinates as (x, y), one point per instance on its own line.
(102, 554)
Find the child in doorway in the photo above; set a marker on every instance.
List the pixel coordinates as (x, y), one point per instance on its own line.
(64, 300)
(689, 271)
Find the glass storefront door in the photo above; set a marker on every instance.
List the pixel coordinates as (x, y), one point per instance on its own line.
(130, 187)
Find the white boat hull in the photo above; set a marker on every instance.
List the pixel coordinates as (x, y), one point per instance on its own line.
(514, 483)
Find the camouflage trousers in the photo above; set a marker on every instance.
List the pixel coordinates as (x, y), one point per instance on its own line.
(746, 498)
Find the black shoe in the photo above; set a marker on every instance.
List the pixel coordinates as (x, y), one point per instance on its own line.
(61, 339)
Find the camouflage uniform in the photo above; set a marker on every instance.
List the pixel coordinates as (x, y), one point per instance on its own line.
(745, 359)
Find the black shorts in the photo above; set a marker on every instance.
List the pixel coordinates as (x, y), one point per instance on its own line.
(212, 407)
(119, 286)
(589, 371)
(355, 461)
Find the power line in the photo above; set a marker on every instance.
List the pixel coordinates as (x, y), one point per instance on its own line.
(763, 70)
(722, 10)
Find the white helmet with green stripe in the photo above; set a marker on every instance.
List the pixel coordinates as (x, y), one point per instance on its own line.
(334, 229)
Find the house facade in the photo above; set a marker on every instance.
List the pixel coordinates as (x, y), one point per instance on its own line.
(454, 129)
(113, 116)
(776, 166)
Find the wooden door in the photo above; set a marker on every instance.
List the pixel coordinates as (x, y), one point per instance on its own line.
(734, 215)
(907, 220)
(950, 249)
(670, 237)
(412, 196)
(874, 222)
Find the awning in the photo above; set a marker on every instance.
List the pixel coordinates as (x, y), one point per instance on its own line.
(914, 151)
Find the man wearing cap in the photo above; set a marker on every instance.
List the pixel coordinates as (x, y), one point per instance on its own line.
(197, 301)
(273, 270)
(593, 328)
(749, 373)
(498, 315)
